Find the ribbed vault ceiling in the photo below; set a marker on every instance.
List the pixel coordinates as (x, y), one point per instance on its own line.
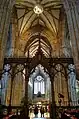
(27, 18)
(45, 23)
(39, 26)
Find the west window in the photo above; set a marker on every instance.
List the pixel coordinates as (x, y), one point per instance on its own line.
(39, 85)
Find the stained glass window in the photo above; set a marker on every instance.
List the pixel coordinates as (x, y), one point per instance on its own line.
(39, 85)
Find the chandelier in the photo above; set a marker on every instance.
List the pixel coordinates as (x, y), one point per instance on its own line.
(38, 9)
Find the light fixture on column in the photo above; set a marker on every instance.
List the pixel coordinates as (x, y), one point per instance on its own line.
(38, 9)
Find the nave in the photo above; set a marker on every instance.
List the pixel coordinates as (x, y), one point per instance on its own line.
(39, 57)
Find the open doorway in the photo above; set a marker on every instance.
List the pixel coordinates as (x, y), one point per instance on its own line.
(39, 91)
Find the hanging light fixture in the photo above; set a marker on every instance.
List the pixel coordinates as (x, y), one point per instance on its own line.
(38, 9)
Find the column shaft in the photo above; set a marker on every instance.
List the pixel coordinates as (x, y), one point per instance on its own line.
(53, 106)
(5, 13)
(73, 28)
(71, 8)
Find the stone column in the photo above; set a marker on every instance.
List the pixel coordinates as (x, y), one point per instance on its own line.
(17, 92)
(11, 89)
(15, 33)
(68, 94)
(25, 110)
(5, 13)
(53, 105)
(77, 5)
(61, 25)
(73, 25)
(26, 84)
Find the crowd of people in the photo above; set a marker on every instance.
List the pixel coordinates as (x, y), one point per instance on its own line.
(70, 114)
(39, 109)
(33, 109)
(42, 111)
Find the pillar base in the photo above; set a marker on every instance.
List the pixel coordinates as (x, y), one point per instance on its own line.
(52, 111)
(24, 114)
(9, 109)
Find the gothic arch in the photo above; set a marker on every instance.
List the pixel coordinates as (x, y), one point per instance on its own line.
(73, 26)
(36, 42)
